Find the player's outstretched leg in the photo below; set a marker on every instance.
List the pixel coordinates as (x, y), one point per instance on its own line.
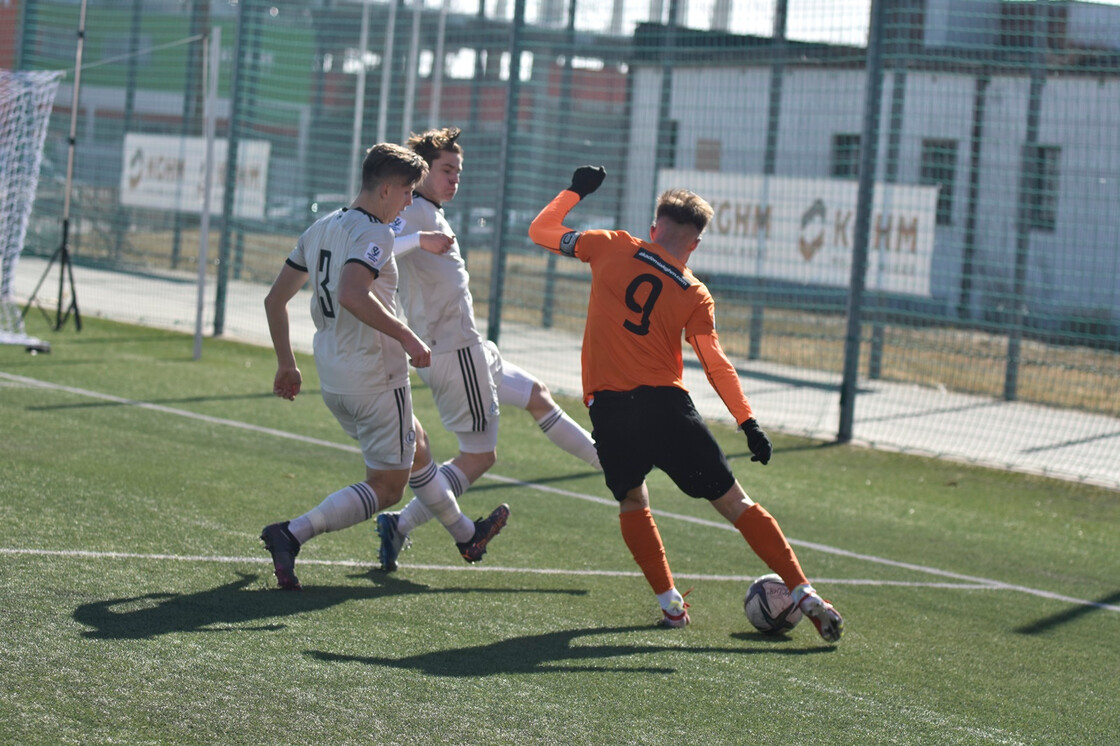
(824, 617)
(284, 547)
(566, 433)
(392, 540)
(485, 529)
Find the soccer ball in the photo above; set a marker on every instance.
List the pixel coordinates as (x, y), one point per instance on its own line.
(769, 606)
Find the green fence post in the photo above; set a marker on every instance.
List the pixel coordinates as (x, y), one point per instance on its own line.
(1028, 187)
(869, 147)
(513, 93)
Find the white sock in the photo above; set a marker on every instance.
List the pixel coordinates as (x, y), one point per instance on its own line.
(567, 433)
(455, 477)
(436, 495)
(342, 509)
(801, 592)
(412, 515)
(669, 597)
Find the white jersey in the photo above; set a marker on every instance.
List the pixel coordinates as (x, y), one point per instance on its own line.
(351, 357)
(434, 292)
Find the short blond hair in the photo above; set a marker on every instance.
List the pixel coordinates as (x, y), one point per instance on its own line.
(684, 207)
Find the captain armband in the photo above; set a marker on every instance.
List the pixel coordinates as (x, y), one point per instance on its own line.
(568, 243)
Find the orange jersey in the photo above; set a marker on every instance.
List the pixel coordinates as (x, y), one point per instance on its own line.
(642, 299)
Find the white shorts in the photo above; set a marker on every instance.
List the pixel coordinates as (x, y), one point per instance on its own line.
(515, 386)
(381, 423)
(464, 386)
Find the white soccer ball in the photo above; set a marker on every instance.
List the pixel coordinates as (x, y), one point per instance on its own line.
(769, 606)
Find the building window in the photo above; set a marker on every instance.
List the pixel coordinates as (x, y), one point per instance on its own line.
(707, 155)
(1041, 164)
(845, 156)
(939, 168)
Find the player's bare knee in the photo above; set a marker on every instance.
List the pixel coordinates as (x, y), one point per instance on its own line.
(540, 401)
(421, 433)
(388, 486)
(384, 502)
(474, 465)
(483, 461)
(636, 498)
(733, 503)
(423, 450)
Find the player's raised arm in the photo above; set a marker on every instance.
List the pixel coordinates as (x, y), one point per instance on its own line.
(548, 229)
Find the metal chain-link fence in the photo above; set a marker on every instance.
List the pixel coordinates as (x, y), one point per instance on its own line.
(962, 155)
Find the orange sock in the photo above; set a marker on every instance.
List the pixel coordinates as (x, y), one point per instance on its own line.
(644, 541)
(765, 536)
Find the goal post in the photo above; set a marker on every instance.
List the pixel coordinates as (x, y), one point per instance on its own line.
(26, 100)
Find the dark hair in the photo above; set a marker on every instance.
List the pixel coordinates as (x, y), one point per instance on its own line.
(431, 143)
(684, 207)
(388, 162)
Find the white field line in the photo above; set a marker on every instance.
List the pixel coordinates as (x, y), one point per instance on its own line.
(967, 581)
(88, 554)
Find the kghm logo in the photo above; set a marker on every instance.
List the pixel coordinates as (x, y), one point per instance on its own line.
(733, 218)
(815, 213)
(888, 232)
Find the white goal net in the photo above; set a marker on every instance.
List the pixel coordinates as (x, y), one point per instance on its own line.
(26, 99)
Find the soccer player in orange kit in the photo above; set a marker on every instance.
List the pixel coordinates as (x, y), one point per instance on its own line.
(643, 296)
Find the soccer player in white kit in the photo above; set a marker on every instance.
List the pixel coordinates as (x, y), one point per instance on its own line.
(362, 351)
(468, 377)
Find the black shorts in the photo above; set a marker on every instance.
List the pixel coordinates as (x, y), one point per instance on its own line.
(637, 430)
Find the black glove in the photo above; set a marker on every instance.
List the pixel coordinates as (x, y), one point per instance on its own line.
(757, 441)
(586, 179)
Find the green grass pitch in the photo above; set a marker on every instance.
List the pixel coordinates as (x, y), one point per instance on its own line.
(139, 607)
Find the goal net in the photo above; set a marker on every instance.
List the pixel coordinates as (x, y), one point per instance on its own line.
(26, 99)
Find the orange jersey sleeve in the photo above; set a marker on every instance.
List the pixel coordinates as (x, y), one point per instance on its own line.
(548, 230)
(722, 375)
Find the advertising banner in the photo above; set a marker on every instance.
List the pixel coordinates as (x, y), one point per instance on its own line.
(802, 230)
(168, 172)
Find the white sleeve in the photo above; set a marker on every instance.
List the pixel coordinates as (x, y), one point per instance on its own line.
(404, 244)
(372, 246)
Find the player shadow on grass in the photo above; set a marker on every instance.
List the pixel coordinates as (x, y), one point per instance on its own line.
(1073, 613)
(543, 653)
(233, 607)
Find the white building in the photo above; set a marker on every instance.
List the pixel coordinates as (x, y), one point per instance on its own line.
(956, 116)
